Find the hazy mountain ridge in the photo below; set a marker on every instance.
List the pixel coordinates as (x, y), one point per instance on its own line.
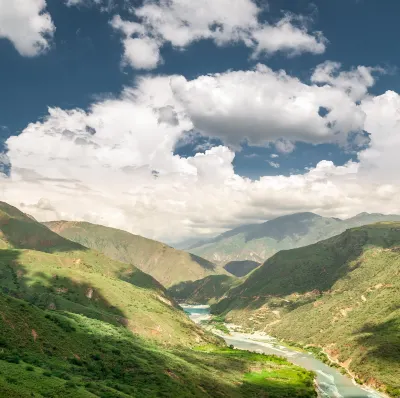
(342, 293)
(258, 242)
(168, 265)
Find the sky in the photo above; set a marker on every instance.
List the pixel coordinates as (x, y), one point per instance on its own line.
(175, 119)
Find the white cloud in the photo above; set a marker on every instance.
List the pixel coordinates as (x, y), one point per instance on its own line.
(274, 155)
(114, 165)
(182, 22)
(286, 37)
(27, 25)
(273, 164)
(141, 53)
(273, 105)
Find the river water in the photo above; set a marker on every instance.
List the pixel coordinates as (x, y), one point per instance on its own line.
(331, 383)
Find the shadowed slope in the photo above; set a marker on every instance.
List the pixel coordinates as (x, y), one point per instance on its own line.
(167, 265)
(241, 268)
(203, 291)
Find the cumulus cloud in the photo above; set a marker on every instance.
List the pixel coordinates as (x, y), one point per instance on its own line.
(27, 25)
(273, 105)
(286, 37)
(182, 22)
(114, 164)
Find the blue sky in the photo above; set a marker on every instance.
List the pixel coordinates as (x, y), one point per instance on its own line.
(84, 64)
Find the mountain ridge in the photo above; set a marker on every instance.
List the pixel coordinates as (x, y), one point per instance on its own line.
(168, 265)
(258, 242)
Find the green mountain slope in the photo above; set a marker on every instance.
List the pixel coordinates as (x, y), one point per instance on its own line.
(63, 355)
(169, 266)
(203, 291)
(74, 323)
(342, 293)
(258, 242)
(52, 272)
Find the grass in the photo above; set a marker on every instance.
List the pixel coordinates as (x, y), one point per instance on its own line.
(74, 323)
(341, 294)
(76, 356)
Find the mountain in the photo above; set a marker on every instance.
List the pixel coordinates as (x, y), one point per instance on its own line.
(49, 271)
(258, 242)
(205, 291)
(342, 294)
(76, 324)
(169, 266)
(241, 268)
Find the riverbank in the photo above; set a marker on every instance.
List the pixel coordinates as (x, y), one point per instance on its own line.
(330, 382)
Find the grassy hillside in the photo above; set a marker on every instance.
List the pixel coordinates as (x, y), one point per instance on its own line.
(204, 291)
(258, 242)
(169, 266)
(59, 354)
(342, 293)
(74, 323)
(241, 268)
(49, 271)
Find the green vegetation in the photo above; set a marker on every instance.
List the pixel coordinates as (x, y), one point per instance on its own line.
(258, 242)
(51, 272)
(90, 358)
(216, 322)
(169, 266)
(342, 294)
(204, 291)
(74, 323)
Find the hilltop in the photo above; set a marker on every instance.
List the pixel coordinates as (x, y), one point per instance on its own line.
(169, 266)
(342, 294)
(258, 242)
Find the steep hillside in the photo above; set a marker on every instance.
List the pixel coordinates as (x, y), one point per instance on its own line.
(52, 272)
(258, 242)
(169, 266)
(76, 324)
(203, 291)
(342, 293)
(64, 355)
(241, 268)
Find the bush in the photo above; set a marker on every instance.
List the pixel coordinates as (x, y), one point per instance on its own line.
(29, 368)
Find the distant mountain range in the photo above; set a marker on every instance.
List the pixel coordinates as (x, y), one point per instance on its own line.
(258, 242)
(169, 266)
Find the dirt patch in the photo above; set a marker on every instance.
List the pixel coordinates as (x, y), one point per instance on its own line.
(34, 334)
(171, 374)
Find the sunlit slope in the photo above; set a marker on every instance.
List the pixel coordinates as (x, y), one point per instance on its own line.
(56, 354)
(342, 293)
(169, 266)
(52, 272)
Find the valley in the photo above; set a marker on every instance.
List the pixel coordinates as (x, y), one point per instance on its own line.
(329, 381)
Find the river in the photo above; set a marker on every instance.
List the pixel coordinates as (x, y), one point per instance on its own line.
(331, 383)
